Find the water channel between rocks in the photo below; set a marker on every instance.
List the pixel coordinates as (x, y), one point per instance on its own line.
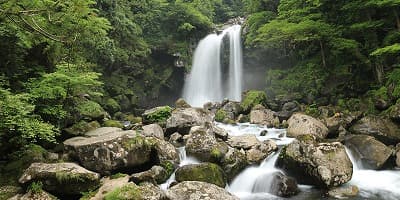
(250, 184)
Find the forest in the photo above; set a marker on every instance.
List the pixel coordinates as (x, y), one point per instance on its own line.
(65, 66)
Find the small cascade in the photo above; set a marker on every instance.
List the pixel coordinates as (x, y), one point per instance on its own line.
(205, 82)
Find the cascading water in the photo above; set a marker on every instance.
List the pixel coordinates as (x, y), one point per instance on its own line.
(205, 81)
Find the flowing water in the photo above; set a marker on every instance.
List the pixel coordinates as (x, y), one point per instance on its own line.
(205, 82)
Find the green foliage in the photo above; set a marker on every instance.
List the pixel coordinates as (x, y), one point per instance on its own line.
(90, 109)
(118, 175)
(312, 110)
(220, 115)
(393, 81)
(82, 127)
(88, 195)
(388, 50)
(112, 106)
(36, 187)
(127, 192)
(158, 115)
(168, 166)
(113, 123)
(252, 98)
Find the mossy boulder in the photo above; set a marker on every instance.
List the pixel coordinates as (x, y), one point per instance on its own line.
(220, 115)
(204, 172)
(157, 115)
(131, 191)
(156, 175)
(301, 124)
(82, 127)
(90, 110)
(113, 123)
(61, 178)
(112, 106)
(252, 98)
(197, 190)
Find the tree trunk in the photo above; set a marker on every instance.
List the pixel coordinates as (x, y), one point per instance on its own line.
(396, 15)
(322, 54)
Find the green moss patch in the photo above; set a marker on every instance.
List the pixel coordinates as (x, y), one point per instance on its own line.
(252, 98)
(127, 192)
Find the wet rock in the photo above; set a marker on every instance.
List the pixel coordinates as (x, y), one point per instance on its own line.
(325, 165)
(182, 119)
(372, 153)
(398, 155)
(110, 151)
(204, 172)
(164, 151)
(153, 130)
(61, 178)
(181, 103)
(394, 112)
(176, 139)
(383, 129)
(344, 192)
(212, 106)
(202, 144)
(243, 118)
(264, 133)
(220, 133)
(259, 152)
(301, 124)
(260, 115)
(233, 163)
(333, 124)
(246, 141)
(277, 184)
(156, 175)
(195, 190)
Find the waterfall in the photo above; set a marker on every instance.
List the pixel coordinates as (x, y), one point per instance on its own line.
(205, 81)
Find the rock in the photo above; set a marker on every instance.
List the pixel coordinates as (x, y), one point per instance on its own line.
(113, 123)
(202, 144)
(325, 165)
(372, 153)
(182, 119)
(61, 178)
(164, 151)
(9, 191)
(111, 151)
(243, 118)
(301, 124)
(381, 104)
(245, 142)
(394, 112)
(176, 139)
(259, 152)
(252, 98)
(181, 103)
(156, 175)
(260, 115)
(277, 184)
(287, 110)
(212, 106)
(131, 191)
(153, 130)
(333, 124)
(102, 131)
(204, 172)
(195, 190)
(232, 109)
(220, 133)
(157, 115)
(40, 195)
(82, 127)
(398, 155)
(233, 162)
(108, 185)
(383, 129)
(343, 192)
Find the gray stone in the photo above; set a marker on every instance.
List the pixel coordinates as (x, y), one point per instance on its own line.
(153, 130)
(182, 119)
(260, 115)
(301, 124)
(156, 175)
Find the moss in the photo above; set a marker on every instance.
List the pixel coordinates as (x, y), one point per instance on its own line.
(68, 177)
(312, 110)
(36, 187)
(82, 127)
(133, 119)
(216, 154)
(91, 110)
(137, 142)
(158, 115)
(205, 172)
(127, 192)
(168, 166)
(220, 115)
(112, 106)
(118, 175)
(307, 138)
(252, 98)
(113, 123)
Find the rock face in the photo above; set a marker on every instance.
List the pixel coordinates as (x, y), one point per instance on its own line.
(260, 115)
(325, 165)
(276, 183)
(156, 175)
(202, 144)
(195, 190)
(182, 119)
(373, 153)
(301, 124)
(153, 130)
(61, 178)
(204, 172)
(111, 151)
(383, 129)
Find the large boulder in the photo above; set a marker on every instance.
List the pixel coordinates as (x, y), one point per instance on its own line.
(181, 103)
(260, 115)
(131, 191)
(383, 129)
(287, 110)
(153, 130)
(182, 119)
(111, 151)
(276, 183)
(233, 162)
(252, 98)
(371, 152)
(301, 124)
(202, 144)
(61, 178)
(157, 115)
(325, 165)
(195, 190)
(156, 175)
(9, 191)
(204, 172)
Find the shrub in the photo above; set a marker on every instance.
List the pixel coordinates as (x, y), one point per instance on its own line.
(220, 115)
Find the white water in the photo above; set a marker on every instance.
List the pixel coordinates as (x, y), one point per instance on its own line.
(205, 81)
(184, 160)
